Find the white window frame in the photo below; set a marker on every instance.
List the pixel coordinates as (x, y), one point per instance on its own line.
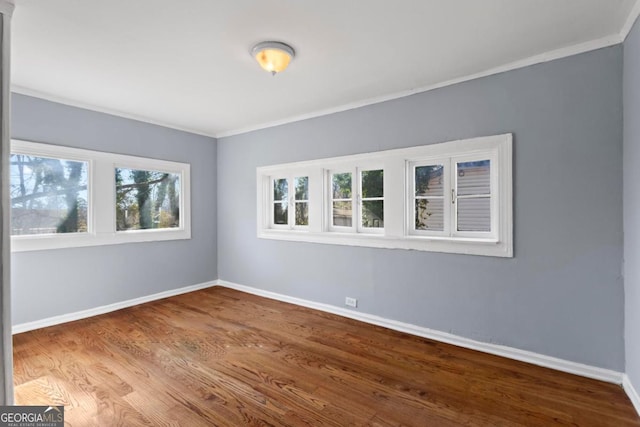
(356, 199)
(291, 202)
(398, 210)
(273, 202)
(493, 204)
(410, 197)
(361, 198)
(353, 200)
(101, 197)
(294, 201)
(450, 196)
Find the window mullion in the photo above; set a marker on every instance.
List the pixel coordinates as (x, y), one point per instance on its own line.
(316, 199)
(292, 201)
(450, 194)
(357, 211)
(102, 208)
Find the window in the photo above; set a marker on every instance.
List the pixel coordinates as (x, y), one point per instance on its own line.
(281, 201)
(301, 200)
(48, 195)
(147, 199)
(65, 197)
(342, 200)
(428, 197)
(452, 197)
(360, 210)
(448, 197)
(372, 199)
(284, 217)
(472, 196)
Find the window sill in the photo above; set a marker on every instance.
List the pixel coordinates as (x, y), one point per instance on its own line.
(79, 240)
(458, 245)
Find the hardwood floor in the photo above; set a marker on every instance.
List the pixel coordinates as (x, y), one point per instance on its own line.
(223, 357)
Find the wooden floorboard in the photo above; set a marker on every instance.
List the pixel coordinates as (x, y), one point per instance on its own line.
(226, 358)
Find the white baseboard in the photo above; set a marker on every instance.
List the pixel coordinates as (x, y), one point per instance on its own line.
(499, 350)
(56, 320)
(633, 394)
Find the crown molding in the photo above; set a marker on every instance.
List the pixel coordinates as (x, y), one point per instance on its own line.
(522, 63)
(91, 107)
(532, 60)
(631, 19)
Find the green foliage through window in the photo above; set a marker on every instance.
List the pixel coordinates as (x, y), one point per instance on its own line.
(146, 199)
(281, 201)
(301, 185)
(342, 204)
(372, 198)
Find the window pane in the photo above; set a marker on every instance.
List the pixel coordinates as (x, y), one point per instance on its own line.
(302, 187)
(302, 213)
(280, 189)
(430, 214)
(429, 180)
(342, 214)
(47, 195)
(474, 178)
(373, 183)
(280, 213)
(146, 199)
(474, 214)
(341, 185)
(373, 213)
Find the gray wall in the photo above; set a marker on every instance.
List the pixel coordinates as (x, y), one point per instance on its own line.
(632, 203)
(562, 294)
(61, 281)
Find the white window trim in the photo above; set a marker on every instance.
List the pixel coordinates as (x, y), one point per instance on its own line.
(397, 215)
(356, 198)
(272, 222)
(360, 198)
(410, 192)
(101, 198)
(450, 184)
(353, 199)
(294, 201)
(291, 202)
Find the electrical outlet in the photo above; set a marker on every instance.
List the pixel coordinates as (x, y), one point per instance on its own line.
(351, 302)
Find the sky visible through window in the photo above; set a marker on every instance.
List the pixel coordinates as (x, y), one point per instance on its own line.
(48, 195)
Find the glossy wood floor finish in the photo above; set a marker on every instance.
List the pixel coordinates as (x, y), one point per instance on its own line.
(226, 358)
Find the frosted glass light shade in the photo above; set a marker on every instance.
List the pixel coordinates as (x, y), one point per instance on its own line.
(273, 56)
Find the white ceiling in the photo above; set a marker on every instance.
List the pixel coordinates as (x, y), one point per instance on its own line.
(186, 64)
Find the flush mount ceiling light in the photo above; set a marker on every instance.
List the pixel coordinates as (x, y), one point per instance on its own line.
(273, 56)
